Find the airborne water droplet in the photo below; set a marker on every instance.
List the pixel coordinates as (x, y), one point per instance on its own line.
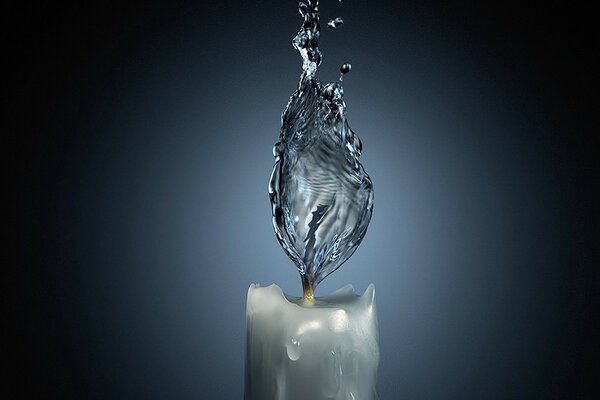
(335, 23)
(345, 68)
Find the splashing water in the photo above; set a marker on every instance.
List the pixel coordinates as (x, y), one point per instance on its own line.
(321, 197)
(335, 23)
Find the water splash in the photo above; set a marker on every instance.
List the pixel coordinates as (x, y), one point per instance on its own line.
(335, 23)
(321, 196)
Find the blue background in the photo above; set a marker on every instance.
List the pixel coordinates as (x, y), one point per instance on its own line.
(142, 215)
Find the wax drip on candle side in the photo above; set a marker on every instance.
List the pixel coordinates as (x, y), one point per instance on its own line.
(326, 350)
(321, 196)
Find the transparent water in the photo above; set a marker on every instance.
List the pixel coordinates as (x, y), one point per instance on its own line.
(321, 196)
(335, 23)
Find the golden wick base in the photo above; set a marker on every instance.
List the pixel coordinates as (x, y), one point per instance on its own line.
(308, 295)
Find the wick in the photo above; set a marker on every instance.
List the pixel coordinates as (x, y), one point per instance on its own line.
(308, 290)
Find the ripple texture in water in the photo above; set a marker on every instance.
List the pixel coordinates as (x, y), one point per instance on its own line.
(321, 196)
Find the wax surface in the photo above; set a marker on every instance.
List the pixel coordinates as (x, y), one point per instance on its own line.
(325, 350)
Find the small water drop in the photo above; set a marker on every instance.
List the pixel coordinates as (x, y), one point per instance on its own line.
(335, 23)
(345, 68)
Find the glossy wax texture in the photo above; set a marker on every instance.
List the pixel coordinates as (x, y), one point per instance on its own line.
(328, 349)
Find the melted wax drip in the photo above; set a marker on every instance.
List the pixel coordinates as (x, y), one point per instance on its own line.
(322, 199)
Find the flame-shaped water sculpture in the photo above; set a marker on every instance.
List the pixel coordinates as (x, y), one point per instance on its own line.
(321, 196)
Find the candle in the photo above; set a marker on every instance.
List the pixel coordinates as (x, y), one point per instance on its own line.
(325, 349)
(314, 348)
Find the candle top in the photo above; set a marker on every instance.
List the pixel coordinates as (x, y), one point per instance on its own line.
(328, 320)
(345, 297)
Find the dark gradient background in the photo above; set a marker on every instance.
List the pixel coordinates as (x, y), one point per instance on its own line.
(141, 162)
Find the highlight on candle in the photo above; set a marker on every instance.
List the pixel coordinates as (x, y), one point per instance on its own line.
(328, 350)
(321, 196)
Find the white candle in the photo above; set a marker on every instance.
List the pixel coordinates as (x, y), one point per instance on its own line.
(327, 349)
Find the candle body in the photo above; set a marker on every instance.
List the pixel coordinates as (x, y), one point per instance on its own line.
(325, 350)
